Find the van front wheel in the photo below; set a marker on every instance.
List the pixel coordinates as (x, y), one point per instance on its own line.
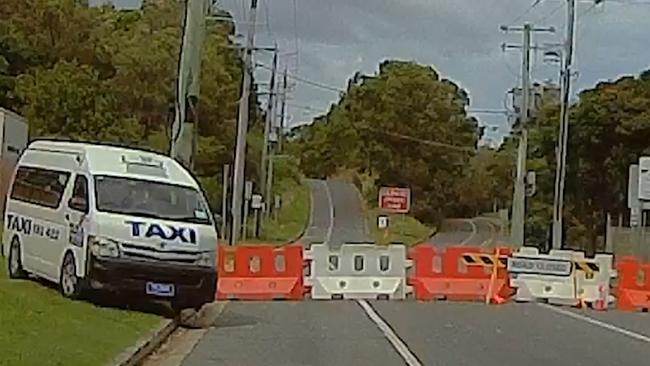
(69, 282)
(16, 270)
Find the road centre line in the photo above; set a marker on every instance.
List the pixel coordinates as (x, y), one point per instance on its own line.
(392, 337)
(330, 228)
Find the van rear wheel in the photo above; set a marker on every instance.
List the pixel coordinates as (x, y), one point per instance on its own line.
(69, 283)
(15, 264)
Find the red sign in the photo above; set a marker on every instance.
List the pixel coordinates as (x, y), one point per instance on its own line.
(397, 200)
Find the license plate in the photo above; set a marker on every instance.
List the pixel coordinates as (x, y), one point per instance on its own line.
(160, 289)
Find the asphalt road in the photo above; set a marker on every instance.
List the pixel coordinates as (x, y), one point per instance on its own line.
(411, 333)
(320, 223)
(478, 232)
(292, 334)
(454, 232)
(349, 220)
(452, 333)
(309, 332)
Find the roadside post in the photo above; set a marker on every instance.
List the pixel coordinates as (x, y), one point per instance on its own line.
(257, 205)
(394, 200)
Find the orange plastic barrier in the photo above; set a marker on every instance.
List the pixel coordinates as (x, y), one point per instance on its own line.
(460, 274)
(261, 272)
(633, 290)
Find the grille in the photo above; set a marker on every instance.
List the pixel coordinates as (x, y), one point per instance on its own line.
(141, 252)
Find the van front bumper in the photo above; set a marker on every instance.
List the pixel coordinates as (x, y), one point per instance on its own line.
(193, 285)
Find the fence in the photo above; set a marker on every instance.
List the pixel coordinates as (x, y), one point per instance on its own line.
(628, 241)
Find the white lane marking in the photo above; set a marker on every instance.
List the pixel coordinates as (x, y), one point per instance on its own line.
(311, 203)
(598, 323)
(330, 202)
(393, 338)
(493, 232)
(471, 236)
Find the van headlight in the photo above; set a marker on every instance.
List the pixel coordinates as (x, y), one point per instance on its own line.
(206, 259)
(106, 248)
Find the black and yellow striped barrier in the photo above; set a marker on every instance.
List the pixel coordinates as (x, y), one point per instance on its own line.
(481, 259)
(588, 267)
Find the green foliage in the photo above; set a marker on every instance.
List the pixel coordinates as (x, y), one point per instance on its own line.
(365, 132)
(293, 215)
(486, 181)
(609, 130)
(40, 327)
(99, 74)
(402, 229)
(70, 101)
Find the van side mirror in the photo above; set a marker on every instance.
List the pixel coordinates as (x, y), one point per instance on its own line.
(79, 204)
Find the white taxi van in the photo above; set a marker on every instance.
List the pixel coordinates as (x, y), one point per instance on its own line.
(100, 217)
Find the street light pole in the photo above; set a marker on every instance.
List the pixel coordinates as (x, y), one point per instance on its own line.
(560, 172)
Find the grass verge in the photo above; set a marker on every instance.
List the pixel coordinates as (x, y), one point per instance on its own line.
(402, 229)
(40, 327)
(289, 222)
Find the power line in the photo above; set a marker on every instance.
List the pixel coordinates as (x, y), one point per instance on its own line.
(526, 12)
(306, 81)
(419, 140)
(339, 90)
(305, 107)
(589, 9)
(550, 14)
(629, 2)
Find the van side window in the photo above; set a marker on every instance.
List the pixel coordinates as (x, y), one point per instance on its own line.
(79, 199)
(38, 186)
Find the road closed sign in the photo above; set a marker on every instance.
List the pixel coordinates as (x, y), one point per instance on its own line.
(539, 266)
(395, 200)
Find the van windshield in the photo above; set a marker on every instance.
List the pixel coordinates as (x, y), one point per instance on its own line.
(145, 198)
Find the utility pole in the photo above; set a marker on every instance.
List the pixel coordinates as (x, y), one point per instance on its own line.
(242, 129)
(282, 114)
(184, 129)
(518, 221)
(563, 137)
(269, 175)
(280, 137)
(270, 118)
(224, 201)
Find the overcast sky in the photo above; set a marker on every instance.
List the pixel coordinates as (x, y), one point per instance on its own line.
(460, 38)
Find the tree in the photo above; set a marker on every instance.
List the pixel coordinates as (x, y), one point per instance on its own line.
(70, 101)
(100, 74)
(610, 129)
(372, 127)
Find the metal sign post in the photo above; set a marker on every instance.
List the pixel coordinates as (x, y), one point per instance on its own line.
(257, 205)
(248, 194)
(395, 200)
(383, 223)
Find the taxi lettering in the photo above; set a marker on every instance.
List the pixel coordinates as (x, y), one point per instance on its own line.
(28, 226)
(165, 232)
